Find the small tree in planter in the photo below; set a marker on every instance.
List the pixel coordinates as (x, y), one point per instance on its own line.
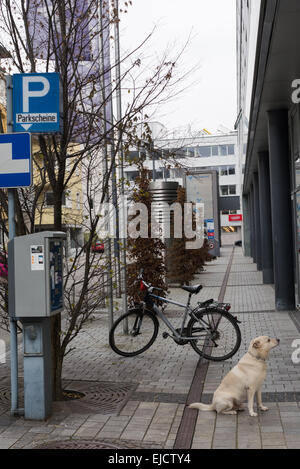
(145, 253)
(184, 263)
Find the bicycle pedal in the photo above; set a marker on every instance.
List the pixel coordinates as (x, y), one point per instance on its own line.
(165, 335)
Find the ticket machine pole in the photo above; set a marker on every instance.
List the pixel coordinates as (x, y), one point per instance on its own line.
(37, 368)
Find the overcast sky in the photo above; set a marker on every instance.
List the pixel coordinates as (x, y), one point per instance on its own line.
(210, 100)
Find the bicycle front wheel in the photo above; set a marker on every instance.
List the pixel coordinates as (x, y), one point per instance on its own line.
(216, 333)
(134, 332)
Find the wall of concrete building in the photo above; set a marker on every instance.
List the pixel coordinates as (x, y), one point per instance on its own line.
(271, 187)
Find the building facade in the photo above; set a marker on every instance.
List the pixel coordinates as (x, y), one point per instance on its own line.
(268, 100)
(172, 158)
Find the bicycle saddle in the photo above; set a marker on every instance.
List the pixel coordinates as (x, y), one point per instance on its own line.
(193, 290)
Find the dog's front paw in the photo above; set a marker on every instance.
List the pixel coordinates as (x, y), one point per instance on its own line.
(263, 408)
(253, 414)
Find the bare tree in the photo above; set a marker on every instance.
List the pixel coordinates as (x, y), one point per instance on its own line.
(70, 37)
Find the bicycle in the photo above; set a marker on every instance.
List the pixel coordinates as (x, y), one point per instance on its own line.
(134, 332)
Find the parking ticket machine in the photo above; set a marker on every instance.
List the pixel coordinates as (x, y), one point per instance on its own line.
(35, 293)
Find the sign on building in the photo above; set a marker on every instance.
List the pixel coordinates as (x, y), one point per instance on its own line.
(202, 187)
(235, 218)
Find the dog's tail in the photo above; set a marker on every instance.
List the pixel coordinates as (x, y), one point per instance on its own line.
(200, 406)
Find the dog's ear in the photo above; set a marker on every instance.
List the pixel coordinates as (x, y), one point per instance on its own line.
(256, 344)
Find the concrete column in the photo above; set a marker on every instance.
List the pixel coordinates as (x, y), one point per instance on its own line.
(266, 218)
(282, 225)
(252, 221)
(257, 221)
(246, 226)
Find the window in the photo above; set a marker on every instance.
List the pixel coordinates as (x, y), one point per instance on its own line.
(204, 151)
(224, 190)
(131, 175)
(189, 151)
(223, 150)
(230, 149)
(49, 200)
(227, 170)
(78, 200)
(229, 229)
(68, 200)
(228, 190)
(229, 212)
(215, 150)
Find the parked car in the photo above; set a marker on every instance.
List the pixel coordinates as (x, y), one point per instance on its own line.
(98, 246)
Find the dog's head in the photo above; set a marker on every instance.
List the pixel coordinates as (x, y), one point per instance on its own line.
(261, 346)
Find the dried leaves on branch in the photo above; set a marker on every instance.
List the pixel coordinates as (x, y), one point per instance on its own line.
(144, 253)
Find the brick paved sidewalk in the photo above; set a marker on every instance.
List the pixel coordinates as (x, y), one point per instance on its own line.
(148, 392)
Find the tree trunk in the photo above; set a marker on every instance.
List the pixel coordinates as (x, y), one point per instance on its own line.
(56, 320)
(56, 357)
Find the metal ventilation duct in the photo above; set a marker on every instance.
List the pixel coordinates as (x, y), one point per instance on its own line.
(163, 192)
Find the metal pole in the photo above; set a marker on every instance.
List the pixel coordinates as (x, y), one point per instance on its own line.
(153, 166)
(105, 170)
(121, 165)
(12, 232)
(108, 103)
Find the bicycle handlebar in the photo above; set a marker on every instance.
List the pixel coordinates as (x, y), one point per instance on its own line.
(147, 285)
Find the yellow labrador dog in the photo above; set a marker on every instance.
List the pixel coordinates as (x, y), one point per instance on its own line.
(246, 377)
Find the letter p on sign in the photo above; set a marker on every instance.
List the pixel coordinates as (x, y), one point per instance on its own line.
(27, 93)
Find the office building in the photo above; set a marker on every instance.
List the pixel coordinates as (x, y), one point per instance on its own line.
(172, 158)
(269, 122)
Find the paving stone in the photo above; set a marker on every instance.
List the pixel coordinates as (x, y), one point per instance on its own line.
(271, 429)
(6, 443)
(273, 439)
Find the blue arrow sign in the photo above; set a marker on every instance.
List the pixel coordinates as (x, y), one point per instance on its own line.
(36, 102)
(15, 160)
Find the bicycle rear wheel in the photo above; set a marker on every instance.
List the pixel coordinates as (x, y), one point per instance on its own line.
(134, 332)
(217, 334)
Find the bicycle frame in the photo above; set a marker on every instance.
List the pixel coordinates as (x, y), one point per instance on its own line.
(161, 315)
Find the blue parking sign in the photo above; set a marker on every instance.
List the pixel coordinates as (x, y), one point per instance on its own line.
(36, 102)
(15, 160)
